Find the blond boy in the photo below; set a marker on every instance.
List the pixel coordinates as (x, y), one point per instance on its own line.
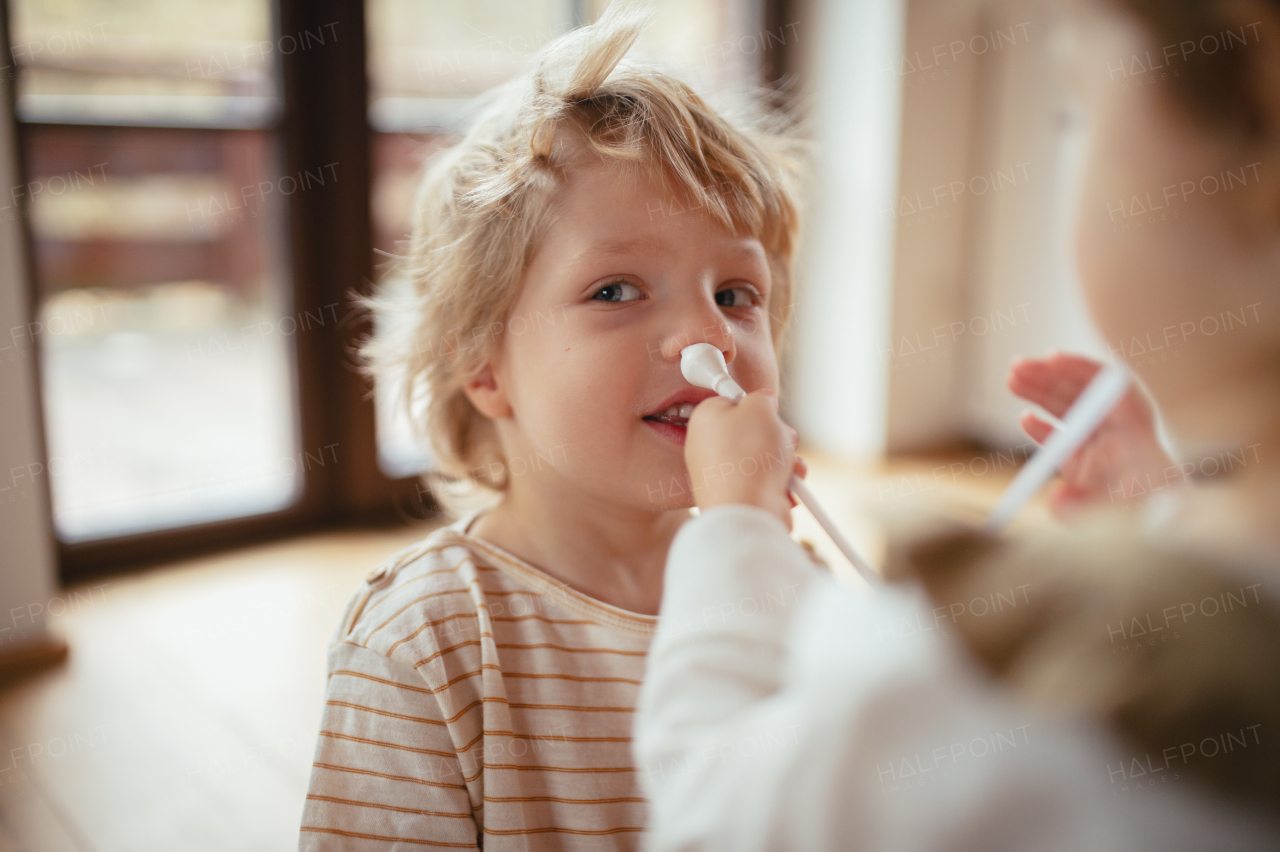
(598, 218)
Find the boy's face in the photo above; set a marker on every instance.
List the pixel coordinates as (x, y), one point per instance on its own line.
(590, 398)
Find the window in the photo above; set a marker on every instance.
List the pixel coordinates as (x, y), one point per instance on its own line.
(197, 203)
(164, 312)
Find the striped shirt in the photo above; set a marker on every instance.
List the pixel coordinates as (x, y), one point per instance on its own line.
(473, 701)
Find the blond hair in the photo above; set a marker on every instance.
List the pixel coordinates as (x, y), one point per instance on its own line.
(482, 208)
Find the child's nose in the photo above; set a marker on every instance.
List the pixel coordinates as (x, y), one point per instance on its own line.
(705, 327)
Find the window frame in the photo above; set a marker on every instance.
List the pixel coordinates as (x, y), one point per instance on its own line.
(328, 246)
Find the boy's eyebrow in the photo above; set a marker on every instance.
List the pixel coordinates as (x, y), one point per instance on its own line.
(623, 245)
(627, 245)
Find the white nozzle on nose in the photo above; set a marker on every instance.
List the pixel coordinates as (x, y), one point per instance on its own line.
(703, 366)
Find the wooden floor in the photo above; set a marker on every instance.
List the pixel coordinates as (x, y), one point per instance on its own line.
(185, 717)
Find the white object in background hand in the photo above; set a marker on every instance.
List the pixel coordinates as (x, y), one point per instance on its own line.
(1081, 420)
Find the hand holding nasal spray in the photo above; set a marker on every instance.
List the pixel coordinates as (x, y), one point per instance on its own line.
(703, 366)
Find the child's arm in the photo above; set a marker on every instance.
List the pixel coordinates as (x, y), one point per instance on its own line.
(781, 712)
(386, 770)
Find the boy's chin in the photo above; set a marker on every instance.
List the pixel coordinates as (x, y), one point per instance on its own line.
(666, 493)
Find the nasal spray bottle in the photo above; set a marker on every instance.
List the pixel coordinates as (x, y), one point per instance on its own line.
(703, 366)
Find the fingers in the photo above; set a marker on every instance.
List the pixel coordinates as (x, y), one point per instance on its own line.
(1065, 499)
(1038, 429)
(713, 405)
(732, 452)
(760, 399)
(710, 411)
(1041, 383)
(757, 406)
(1053, 383)
(801, 470)
(1058, 366)
(1065, 363)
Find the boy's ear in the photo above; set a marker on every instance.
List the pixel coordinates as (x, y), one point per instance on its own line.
(487, 395)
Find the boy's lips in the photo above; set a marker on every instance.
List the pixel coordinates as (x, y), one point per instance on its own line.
(671, 417)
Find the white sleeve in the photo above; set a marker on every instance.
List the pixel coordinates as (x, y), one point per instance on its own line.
(782, 712)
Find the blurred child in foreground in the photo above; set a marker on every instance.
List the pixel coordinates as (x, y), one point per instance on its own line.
(1130, 698)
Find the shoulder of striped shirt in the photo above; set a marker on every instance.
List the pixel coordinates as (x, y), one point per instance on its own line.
(423, 600)
(433, 579)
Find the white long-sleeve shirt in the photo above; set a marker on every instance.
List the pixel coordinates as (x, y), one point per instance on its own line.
(781, 711)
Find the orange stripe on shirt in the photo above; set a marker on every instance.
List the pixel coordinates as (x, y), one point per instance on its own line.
(418, 811)
(559, 830)
(412, 840)
(535, 768)
(573, 650)
(354, 771)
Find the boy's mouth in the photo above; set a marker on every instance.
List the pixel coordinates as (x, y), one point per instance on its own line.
(676, 415)
(671, 419)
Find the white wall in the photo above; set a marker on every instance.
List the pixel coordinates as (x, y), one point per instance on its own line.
(26, 540)
(838, 387)
(934, 213)
(914, 98)
(1023, 261)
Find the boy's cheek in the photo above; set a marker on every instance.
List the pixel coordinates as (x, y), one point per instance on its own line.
(756, 358)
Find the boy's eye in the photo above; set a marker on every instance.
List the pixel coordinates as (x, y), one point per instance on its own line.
(736, 297)
(618, 291)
